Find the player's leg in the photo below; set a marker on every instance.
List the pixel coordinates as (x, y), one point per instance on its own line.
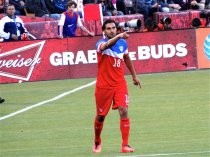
(125, 129)
(98, 126)
(103, 103)
(121, 102)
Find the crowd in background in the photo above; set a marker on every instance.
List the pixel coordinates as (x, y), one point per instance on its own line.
(54, 8)
(68, 13)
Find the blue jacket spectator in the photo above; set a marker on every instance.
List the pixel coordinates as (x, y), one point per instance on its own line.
(11, 26)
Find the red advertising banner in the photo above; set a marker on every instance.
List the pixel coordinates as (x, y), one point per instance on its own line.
(76, 57)
(163, 51)
(203, 47)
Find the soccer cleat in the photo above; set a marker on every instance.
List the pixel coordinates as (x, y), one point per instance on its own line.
(127, 149)
(96, 148)
(1, 100)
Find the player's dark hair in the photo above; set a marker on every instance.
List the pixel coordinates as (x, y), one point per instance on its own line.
(106, 22)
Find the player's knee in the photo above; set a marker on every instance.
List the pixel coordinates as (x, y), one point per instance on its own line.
(123, 111)
(100, 118)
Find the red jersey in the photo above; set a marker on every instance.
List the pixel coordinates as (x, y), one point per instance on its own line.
(111, 64)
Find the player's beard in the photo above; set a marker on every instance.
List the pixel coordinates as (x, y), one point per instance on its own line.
(111, 35)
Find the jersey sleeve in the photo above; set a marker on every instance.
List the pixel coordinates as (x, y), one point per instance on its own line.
(98, 44)
(126, 47)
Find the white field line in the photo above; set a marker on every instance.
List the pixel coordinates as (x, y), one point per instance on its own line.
(46, 101)
(168, 154)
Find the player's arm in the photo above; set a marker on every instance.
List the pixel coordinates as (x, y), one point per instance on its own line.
(130, 66)
(113, 40)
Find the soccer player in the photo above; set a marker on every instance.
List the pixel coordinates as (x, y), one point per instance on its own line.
(111, 87)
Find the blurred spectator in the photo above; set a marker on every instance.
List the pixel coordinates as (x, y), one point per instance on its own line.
(69, 22)
(114, 2)
(60, 5)
(11, 26)
(120, 5)
(182, 4)
(168, 6)
(108, 8)
(40, 9)
(54, 12)
(3, 4)
(88, 2)
(19, 6)
(197, 4)
(146, 7)
(207, 4)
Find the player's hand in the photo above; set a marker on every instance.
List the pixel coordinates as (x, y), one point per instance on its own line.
(123, 35)
(136, 82)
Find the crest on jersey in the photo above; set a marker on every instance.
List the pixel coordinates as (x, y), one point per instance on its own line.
(121, 48)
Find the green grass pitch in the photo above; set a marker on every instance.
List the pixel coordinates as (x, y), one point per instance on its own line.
(170, 116)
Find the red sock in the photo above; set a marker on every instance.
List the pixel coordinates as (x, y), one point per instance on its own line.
(98, 126)
(125, 129)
